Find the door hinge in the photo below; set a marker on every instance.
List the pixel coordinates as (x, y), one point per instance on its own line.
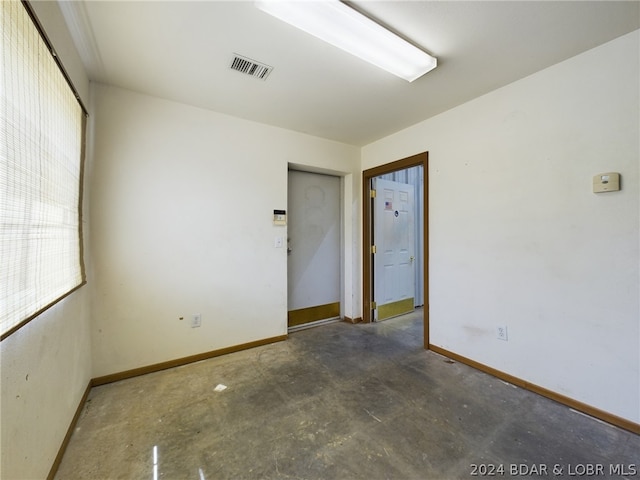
(373, 305)
(373, 193)
(373, 249)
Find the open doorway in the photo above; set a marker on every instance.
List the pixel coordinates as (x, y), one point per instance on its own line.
(370, 202)
(313, 249)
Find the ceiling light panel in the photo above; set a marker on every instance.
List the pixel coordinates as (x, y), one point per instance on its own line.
(343, 27)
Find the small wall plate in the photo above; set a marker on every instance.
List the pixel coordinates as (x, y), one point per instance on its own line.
(606, 182)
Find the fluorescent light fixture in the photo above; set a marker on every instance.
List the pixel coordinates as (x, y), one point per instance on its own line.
(342, 26)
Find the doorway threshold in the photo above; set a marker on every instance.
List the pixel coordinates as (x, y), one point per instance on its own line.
(317, 323)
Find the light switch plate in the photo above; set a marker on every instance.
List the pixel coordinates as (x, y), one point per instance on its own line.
(606, 182)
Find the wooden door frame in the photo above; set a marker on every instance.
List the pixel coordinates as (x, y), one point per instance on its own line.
(367, 175)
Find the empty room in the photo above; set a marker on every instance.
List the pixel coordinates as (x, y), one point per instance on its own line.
(428, 267)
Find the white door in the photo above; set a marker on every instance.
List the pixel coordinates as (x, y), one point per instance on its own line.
(393, 237)
(313, 266)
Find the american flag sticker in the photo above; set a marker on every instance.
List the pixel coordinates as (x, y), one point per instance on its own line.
(388, 205)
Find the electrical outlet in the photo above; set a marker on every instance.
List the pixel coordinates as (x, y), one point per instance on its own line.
(501, 333)
(196, 320)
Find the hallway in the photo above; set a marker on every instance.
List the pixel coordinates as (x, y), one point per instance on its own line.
(339, 401)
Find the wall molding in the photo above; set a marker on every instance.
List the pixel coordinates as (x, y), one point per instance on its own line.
(115, 377)
(353, 320)
(67, 437)
(568, 401)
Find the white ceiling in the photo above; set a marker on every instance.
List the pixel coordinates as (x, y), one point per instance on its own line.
(182, 51)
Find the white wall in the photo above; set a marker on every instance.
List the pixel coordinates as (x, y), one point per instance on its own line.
(182, 205)
(46, 365)
(517, 237)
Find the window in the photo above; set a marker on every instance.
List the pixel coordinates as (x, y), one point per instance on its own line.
(41, 167)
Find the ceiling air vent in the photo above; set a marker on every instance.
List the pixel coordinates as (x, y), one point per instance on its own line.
(250, 67)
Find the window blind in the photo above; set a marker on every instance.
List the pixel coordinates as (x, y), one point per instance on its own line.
(41, 148)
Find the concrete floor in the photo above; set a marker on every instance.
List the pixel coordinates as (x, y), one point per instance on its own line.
(338, 401)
